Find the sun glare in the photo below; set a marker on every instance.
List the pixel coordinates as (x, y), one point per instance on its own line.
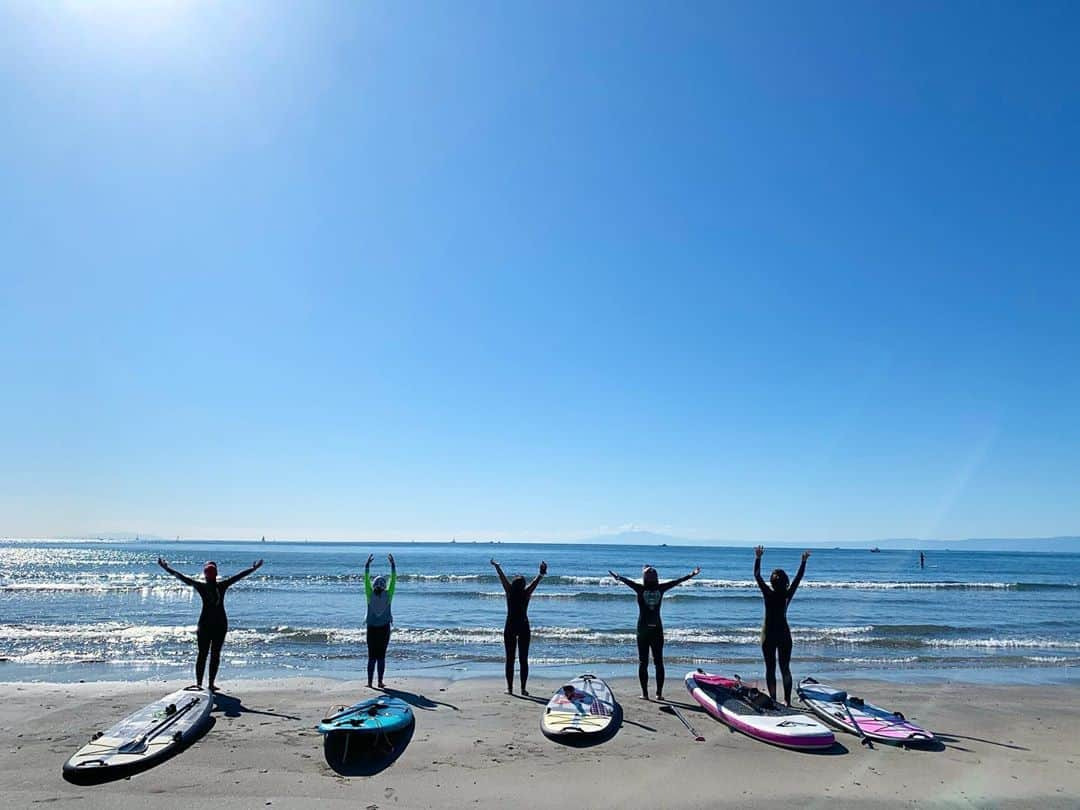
(132, 17)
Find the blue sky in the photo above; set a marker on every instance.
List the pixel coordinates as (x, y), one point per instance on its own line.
(492, 270)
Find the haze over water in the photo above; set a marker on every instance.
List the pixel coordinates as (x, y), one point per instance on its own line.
(104, 610)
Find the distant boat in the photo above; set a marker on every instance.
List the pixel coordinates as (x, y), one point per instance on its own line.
(875, 550)
(663, 545)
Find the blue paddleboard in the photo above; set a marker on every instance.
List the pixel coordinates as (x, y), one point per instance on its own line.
(380, 715)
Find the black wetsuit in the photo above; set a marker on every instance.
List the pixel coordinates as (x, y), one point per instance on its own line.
(775, 633)
(212, 619)
(213, 622)
(650, 630)
(517, 634)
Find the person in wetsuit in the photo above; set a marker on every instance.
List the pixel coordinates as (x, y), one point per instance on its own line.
(516, 632)
(213, 623)
(650, 631)
(775, 633)
(379, 619)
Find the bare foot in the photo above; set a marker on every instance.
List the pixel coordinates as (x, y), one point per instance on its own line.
(382, 685)
(525, 692)
(644, 697)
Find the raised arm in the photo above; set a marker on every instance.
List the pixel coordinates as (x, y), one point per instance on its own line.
(393, 576)
(798, 577)
(177, 574)
(758, 551)
(532, 585)
(502, 577)
(637, 587)
(671, 583)
(245, 573)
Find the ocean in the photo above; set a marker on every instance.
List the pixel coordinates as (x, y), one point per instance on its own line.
(105, 611)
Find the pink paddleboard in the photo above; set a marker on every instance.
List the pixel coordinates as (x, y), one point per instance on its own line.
(755, 714)
(859, 717)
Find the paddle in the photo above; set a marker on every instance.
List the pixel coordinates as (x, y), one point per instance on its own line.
(858, 729)
(675, 710)
(139, 744)
(862, 736)
(356, 708)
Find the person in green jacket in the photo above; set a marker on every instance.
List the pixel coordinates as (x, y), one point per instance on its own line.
(379, 595)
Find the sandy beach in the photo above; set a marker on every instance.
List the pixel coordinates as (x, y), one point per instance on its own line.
(474, 746)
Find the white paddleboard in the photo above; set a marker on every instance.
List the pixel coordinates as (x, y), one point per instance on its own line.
(582, 707)
(143, 738)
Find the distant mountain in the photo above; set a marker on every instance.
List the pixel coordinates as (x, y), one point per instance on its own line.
(1068, 545)
(644, 538)
(126, 536)
(640, 538)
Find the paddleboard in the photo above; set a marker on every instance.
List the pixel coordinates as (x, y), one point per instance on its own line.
(856, 715)
(143, 738)
(755, 714)
(379, 715)
(582, 707)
